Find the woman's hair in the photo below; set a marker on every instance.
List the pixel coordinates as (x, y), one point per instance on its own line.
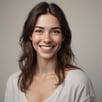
(27, 60)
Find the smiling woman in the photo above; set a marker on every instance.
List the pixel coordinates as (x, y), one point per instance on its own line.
(47, 72)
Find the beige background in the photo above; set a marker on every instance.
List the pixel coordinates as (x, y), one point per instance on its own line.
(85, 19)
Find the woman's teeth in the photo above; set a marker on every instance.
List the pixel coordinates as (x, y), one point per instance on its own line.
(46, 47)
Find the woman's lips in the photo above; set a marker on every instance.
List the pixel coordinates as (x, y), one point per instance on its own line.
(46, 48)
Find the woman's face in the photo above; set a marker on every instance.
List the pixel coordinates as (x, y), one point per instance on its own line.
(47, 36)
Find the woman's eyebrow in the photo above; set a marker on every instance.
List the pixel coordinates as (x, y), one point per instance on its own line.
(39, 27)
(56, 28)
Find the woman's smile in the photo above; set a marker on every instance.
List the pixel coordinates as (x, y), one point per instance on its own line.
(46, 48)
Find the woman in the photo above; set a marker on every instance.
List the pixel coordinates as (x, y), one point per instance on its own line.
(47, 72)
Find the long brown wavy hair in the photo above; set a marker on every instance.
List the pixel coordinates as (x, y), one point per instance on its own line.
(27, 60)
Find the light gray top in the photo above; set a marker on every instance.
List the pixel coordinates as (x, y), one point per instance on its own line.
(76, 87)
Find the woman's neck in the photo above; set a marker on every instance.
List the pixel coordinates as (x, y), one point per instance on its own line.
(45, 66)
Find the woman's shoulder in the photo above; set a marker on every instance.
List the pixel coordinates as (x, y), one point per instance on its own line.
(13, 78)
(15, 75)
(77, 76)
(78, 81)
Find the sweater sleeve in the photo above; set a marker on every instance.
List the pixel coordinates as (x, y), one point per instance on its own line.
(9, 91)
(12, 93)
(85, 91)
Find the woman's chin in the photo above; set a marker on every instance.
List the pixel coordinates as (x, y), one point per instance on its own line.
(47, 56)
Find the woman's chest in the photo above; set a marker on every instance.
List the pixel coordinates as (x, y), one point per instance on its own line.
(41, 90)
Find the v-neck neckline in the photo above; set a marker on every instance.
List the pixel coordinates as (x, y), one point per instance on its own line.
(55, 91)
(48, 98)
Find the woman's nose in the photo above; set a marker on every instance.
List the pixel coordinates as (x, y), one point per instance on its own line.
(47, 37)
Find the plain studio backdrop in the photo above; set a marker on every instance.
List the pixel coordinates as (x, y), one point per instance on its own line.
(85, 21)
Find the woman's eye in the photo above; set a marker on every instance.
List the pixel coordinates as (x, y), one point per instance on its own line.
(38, 31)
(56, 32)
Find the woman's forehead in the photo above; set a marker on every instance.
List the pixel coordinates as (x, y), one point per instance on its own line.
(47, 21)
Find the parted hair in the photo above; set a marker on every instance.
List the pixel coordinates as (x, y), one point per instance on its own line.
(28, 60)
